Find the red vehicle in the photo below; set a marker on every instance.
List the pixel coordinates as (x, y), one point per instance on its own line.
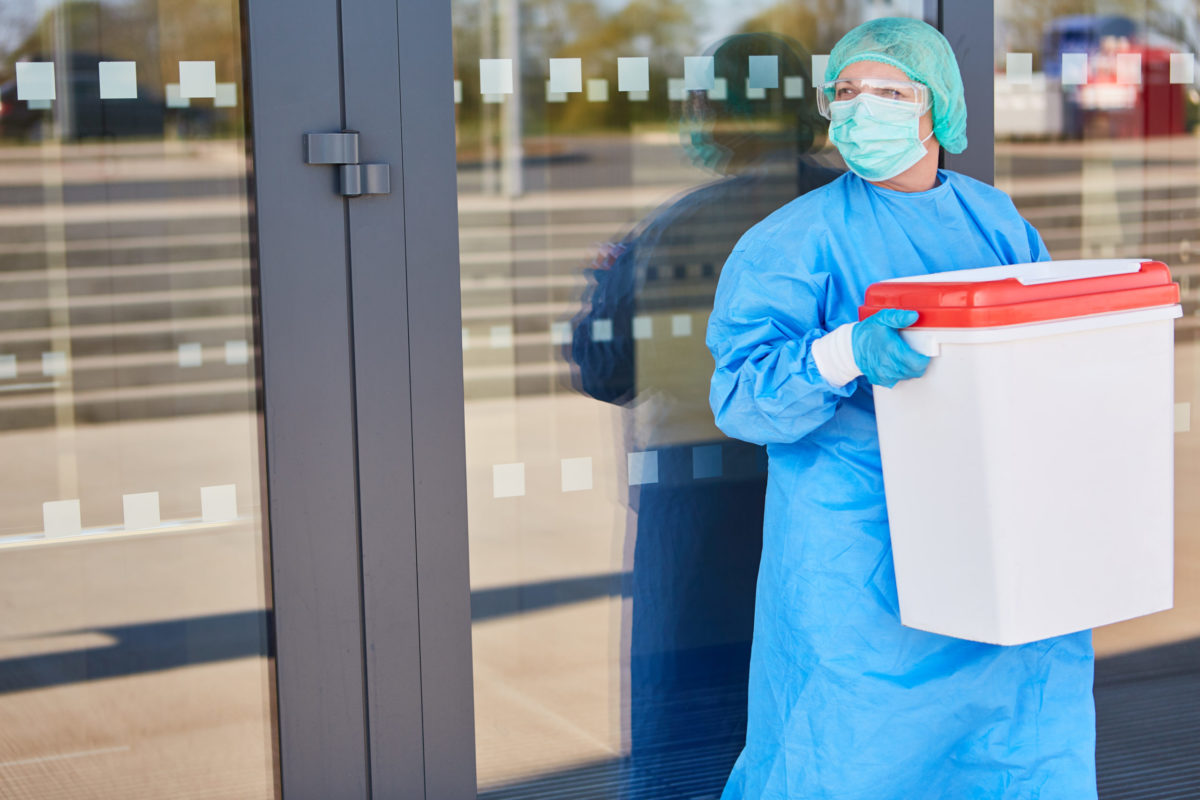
(1129, 94)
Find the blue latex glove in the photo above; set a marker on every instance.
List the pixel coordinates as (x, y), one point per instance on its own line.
(879, 351)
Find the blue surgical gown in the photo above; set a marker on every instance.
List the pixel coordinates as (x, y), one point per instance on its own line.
(844, 702)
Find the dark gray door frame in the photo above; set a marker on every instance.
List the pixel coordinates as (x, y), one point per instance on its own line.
(301, 260)
(363, 423)
(408, 384)
(409, 402)
(436, 380)
(362, 388)
(969, 25)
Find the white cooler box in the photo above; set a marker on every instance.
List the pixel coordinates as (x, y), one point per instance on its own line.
(1029, 473)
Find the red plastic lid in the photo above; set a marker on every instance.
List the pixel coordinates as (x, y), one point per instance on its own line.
(1023, 293)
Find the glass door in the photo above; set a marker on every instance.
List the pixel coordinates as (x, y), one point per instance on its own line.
(609, 157)
(135, 651)
(1097, 115)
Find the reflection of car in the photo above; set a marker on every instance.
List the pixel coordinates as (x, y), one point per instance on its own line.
(91, 117)
(1108, 102)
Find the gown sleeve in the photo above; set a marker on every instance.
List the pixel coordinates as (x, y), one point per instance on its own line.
(1037, 247)
(766, 388)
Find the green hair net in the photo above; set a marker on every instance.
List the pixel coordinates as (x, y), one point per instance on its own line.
(921, 51)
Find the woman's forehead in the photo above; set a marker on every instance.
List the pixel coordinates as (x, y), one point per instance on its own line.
(871, 69)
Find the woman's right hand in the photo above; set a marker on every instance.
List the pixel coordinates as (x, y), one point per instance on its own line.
(885, 358)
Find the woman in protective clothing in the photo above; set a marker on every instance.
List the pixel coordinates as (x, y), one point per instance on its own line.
(844, 702)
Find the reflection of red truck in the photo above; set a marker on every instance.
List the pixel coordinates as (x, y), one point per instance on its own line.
(1163, 104)
(1143, 102)
(1114, 103)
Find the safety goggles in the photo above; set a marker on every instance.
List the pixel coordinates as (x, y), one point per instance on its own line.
(884, 88)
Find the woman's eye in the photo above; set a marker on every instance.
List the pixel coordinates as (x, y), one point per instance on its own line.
(845, 93)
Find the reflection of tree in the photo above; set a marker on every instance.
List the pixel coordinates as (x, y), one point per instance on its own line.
(812, 23)
(661, 30)
(156, 34)
(1024, 23)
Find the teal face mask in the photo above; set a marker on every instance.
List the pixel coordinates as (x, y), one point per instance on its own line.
(878, 138)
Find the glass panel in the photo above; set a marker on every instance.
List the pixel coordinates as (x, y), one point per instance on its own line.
(610, 154)
(133, 642)
(1096, 125)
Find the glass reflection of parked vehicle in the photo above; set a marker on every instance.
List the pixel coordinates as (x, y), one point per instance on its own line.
(90, 117)
(1127, 91)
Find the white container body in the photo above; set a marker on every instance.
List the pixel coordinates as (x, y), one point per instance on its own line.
(1029, 476)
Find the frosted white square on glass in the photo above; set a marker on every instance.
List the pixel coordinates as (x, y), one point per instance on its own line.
(466, 339)
(35, 80)
(755, 93)
(54, 363)
(237, 352)
(198, 78)
(597, 90)
(218, 503)
(706, 462)
(226, 95)
(602, 330)
(458, 92)
(493, 98)
(118, 80)
(39, 105)
(501, 336)
(720, 90)
(639, 97)
(174, 98)
(675, 90)
(1019, 67)
(553, 96)
(699, 72)
(560, 332)
(566, 75)
(1183, 68)
(1183, 417)
(819, 63)
(61, 518)
(633, 74)
(1129, 68)
(191, 355)
(681, 324)
(643, 468)
(576, 474)
(495, 76)
(643, 327)
(508, 480)
(8, 367)
(793, 87)
(1074, 69)
(141, 511)
(764, 72)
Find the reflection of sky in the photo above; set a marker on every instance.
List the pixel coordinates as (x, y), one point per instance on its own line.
(17, 19)
(1172, 23)
(717, 19)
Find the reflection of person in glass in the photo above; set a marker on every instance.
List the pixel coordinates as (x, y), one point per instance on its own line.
(844, 702)
(694, 543)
